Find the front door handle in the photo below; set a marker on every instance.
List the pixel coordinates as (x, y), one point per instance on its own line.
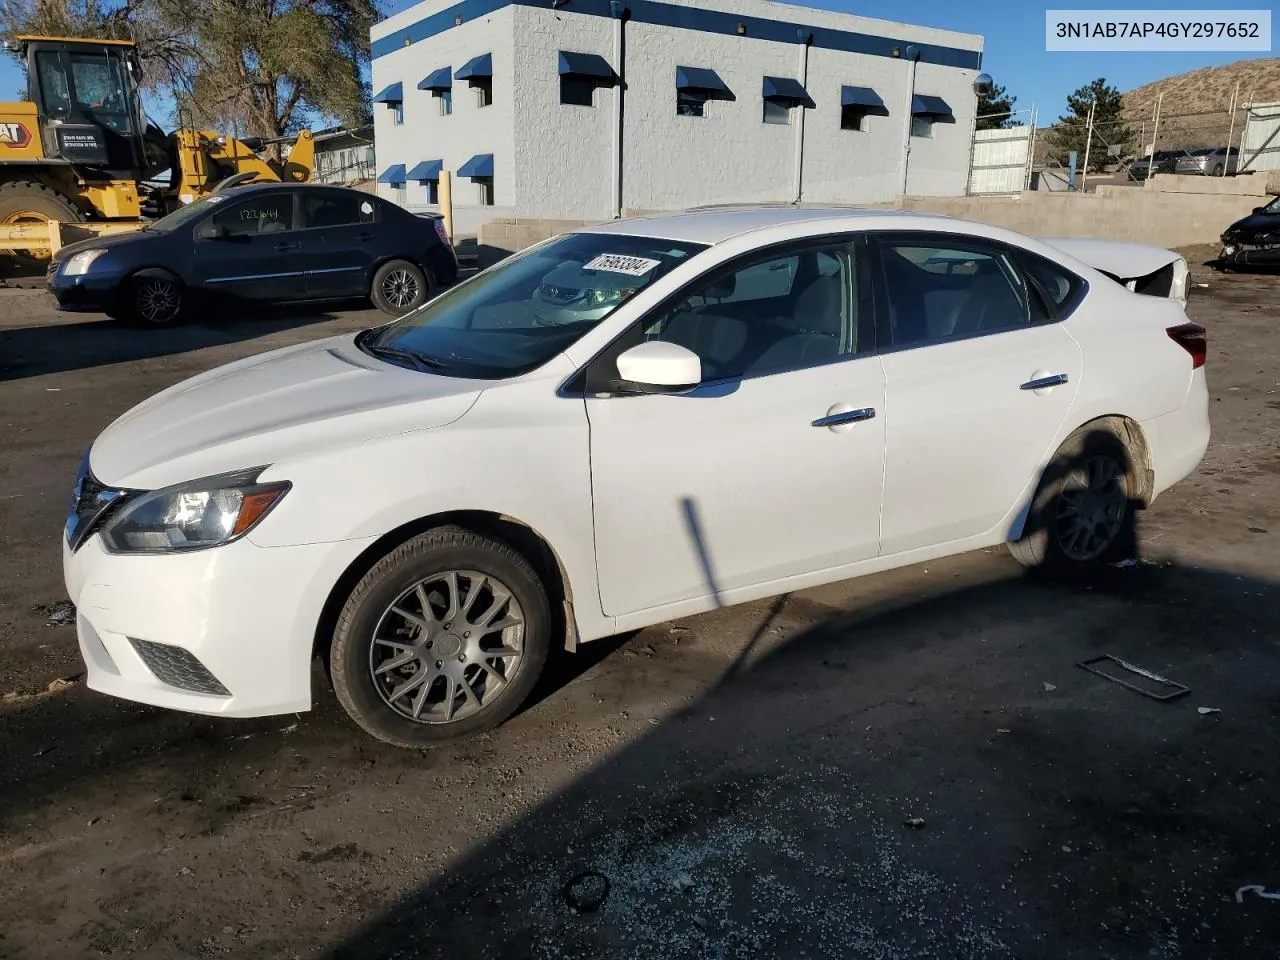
(836, 417)
(364, 237)
(1041, 383)
(284, 245)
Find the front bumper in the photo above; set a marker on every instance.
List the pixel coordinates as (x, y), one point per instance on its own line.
(84, 294)
(1249, 254)
(227, 631)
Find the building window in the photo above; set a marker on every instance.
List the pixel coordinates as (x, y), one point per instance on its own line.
(397, 113)
(578, 91)
(484, 91)
(485, 186)
(399, 193)
(691, 103)
(776, 111)
(433, 191)
(446, 102)
(853, 117)
(922, 127)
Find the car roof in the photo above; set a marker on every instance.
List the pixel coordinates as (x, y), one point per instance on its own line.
(263, 185)
(712, 225)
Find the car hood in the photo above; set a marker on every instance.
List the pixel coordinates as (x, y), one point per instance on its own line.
(258, 411)
(104, 243)
(1256, 223)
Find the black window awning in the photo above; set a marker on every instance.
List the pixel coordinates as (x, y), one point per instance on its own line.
(700, 78)
(786, 90)
(863, 97)
(931, 108)
(586, 66)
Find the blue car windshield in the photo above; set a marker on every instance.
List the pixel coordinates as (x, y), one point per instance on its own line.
(516, 316)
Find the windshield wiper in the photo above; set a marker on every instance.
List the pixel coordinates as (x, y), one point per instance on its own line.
(419, 361)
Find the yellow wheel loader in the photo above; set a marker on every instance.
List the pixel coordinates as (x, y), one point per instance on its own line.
(80, 149)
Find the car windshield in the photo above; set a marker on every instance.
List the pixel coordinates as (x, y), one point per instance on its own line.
(516, 316)
(1203, 152)
(1273, 206)
(187, 213)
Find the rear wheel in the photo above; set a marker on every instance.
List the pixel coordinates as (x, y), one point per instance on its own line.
(445, 637)
(1216, 171)
(399, 287)
(28, 201)
(1083, 513)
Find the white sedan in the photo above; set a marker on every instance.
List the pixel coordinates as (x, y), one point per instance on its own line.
(638, 421)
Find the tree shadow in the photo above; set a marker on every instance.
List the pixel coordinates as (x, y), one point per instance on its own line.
(62, 347)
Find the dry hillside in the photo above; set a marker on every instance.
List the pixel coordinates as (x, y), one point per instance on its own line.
(1194, 111)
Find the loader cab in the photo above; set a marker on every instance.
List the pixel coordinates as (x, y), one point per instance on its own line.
(87, 99)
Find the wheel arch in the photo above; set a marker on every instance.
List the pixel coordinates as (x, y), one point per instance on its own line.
(159, 273)
(1125, 429)
(520, 536)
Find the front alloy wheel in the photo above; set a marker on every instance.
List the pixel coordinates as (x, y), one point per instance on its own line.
(445, 636)
(157, 300)
(447, 646)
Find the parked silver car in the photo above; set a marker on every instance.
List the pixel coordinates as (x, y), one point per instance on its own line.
(1210, 161)
(1164, 161)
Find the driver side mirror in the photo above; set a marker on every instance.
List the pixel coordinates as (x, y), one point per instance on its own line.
(1259, 210)
(658, 367)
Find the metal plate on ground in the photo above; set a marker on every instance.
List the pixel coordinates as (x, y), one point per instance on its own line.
(1135, 678)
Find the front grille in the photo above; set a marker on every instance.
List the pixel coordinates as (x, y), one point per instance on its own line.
(178, 667)
(51, 270)
(91, 501)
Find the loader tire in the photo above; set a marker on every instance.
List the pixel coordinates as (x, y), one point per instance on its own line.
(29, 201)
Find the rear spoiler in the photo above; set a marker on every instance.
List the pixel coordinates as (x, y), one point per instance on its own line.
(1141, 268)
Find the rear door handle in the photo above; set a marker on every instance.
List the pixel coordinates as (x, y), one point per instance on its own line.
(284, 245)
(1040, 383)
(847, 416)
(364, 237)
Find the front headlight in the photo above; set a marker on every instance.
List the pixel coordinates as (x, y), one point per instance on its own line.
(602, 298)
(191, 516)
(79, 264)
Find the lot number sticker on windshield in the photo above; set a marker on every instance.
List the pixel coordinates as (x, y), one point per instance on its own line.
(619, 263)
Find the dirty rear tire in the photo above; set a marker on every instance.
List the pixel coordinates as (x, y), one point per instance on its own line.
(431, 553)
(1041, 547)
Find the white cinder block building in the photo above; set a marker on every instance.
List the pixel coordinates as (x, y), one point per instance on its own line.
(590, 109)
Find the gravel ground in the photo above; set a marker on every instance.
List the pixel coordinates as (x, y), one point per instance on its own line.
(910, 765)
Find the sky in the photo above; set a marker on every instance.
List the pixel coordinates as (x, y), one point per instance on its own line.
(1014, 51)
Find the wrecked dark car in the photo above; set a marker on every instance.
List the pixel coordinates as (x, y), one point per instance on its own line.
(1255, 240)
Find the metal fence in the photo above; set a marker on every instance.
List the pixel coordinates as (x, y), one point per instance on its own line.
(1074, 153)
(345, 165)
(1000, 161)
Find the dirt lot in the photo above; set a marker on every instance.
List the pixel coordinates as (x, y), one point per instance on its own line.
(745, 779)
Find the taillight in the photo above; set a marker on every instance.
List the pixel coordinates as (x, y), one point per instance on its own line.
(444, 236)
(1191, 338)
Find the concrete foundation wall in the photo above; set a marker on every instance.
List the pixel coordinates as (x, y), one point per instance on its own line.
(1165, 213)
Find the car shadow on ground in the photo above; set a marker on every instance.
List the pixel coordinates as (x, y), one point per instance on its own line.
(96, 341)
(906, 782)
(924, 776)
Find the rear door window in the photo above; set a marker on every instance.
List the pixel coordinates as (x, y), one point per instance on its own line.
(337, 209)
(942, 288)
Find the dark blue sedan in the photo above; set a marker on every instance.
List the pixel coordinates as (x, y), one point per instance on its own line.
(261, 243)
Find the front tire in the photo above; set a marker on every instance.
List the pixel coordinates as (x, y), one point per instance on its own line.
(153, 301)
(399, 287)
(445, 637)
(1083, 514)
